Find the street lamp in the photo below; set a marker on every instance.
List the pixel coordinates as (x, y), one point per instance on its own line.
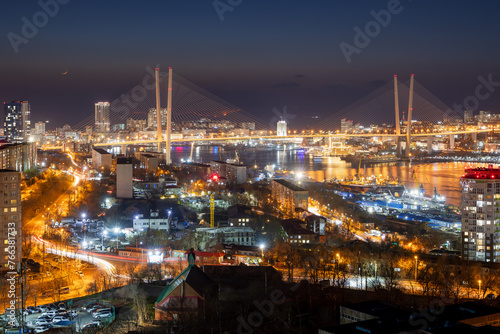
(116, 232)
(262, 246)
(103, 234)
(416, 265)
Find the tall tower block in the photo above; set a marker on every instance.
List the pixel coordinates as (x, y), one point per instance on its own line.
(158, 116)
(169, 118)
(410, 111)
(396, 109)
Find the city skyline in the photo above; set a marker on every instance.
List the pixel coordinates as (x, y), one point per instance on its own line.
(259, 57)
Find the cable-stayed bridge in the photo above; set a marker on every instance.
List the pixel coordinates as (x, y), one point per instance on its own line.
(390, 107)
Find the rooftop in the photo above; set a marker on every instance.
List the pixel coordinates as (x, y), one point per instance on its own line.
(124, 161)
(292, 227)
(101, 151)
(289, 185)
(380, 309)
(482, 173)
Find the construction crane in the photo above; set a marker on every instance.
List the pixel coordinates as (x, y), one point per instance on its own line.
(212, 209)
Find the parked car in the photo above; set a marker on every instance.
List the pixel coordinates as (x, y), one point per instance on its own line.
(50, 313)
(45, 317)
(40, 329)
(43, 308)
(95, 321)
(90, 326)
(102, 315)
(33, 309)
(61, 306)
(101, 309)
(93, 307)
(60, 318)
(42, 322)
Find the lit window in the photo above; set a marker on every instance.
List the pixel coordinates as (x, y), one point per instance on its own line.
(14, 209)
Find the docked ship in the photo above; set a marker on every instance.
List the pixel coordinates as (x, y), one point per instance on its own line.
(367, 184)
(370, 159)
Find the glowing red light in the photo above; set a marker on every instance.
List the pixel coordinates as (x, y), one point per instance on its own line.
(215, 177)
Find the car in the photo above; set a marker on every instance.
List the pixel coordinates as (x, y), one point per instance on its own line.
(52, 306)
(93, 308)
(95, 321)
(102, 315)
(45, 317)
(40, 329)
(60, 318)
(42, 322)
(43, 308)
(51, 313)
(61, 306)
(90, 326)
(60, 312)
(73, 313)
(101, 309)
(33, 309)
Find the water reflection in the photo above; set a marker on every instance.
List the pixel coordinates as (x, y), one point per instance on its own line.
(445, 176)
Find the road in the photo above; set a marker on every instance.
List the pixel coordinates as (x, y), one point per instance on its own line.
(37, 222)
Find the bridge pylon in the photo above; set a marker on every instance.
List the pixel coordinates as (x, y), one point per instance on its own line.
(408, 126)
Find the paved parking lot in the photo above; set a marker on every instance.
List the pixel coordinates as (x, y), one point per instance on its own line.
(81, 319)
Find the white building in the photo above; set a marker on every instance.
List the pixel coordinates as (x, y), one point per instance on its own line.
(124, 172)
(480, 218)
(244, 236)
(281, 130)
(153, 222)
(102, 122)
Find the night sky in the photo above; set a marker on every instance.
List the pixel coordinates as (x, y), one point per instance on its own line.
(263, 55)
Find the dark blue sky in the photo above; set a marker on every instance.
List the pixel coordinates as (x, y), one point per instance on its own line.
(263, 55)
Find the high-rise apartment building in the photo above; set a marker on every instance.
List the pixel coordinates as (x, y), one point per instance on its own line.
(10, 216)
(124, 172)
(152, 117)
(289, 196)
(480, 215)
(39, 128)
(17, 122)
(468, 116)
(346, 125)
(102, 122)
(281, 128)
